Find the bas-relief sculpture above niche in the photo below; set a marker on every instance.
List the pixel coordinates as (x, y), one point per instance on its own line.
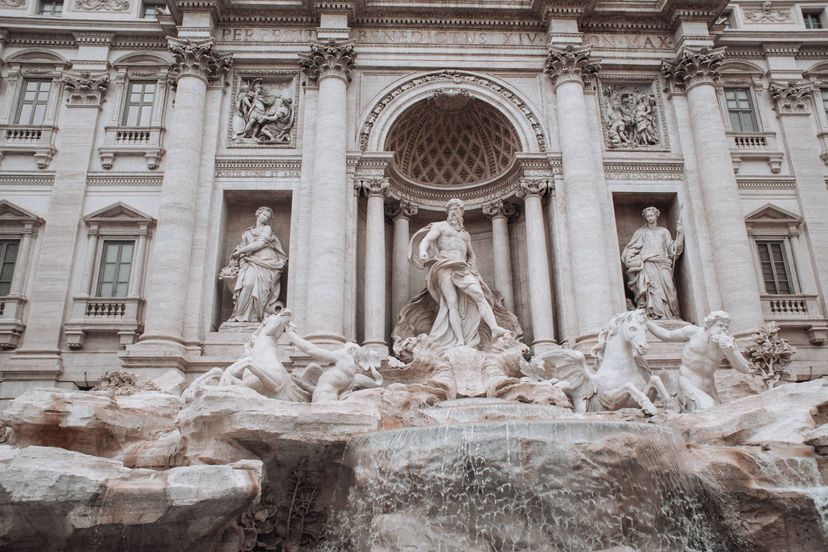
(263, 113)
(254, 256)
(631, 115)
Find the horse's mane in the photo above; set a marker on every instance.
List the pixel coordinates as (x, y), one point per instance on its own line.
(248, 347)
(610, 330)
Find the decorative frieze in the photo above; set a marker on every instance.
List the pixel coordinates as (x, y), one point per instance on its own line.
(791, 97)
(768, 14)
(693, 66)
(264, 109)
(12, 3)
(103, 5)
(329, 59)
(570, 64)
(198, 58)
(258, 168)
(85, 89)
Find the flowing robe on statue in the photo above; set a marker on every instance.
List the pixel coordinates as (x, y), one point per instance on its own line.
(463, 274)
(258, 285)
(649, 258)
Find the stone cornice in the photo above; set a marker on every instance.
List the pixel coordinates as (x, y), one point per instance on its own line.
(693, 66)
(570, 64)
(198, 58)
(334, 59)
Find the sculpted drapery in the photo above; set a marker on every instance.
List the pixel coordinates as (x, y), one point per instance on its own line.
(649, 258)
(261, 261)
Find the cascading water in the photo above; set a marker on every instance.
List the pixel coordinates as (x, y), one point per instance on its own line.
(567, 485)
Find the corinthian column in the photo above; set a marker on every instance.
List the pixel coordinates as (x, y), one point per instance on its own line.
(696, 71)
(540, 284)
(330, 64)
(582, 192)
(374, 291)
(196, 61)
(500, 213)
(400, 288)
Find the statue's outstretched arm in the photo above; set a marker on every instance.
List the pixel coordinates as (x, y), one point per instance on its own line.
(681, 334)
(309, 348)
(737, 360)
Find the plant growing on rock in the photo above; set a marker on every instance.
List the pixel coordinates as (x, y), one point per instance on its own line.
(769, 354)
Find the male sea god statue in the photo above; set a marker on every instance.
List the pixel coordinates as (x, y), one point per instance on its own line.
(650, 258)
(453, 282)
(705, 349)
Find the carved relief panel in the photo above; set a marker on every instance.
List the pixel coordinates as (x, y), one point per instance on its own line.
(263, 113)
(631, 115)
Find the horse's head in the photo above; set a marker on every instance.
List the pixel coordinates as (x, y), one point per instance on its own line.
(276, 324)
(628, 327)
(634, 331)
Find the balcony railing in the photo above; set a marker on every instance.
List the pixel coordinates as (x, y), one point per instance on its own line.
(11, 320)
(34, 139)
(124, 140)
(787, 307)
(755, 145)
(119, 315)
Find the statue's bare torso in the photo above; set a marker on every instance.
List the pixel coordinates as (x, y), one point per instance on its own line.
(451, 243)
(699, 360)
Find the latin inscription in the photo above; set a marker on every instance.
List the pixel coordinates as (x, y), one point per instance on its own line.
(448, 38)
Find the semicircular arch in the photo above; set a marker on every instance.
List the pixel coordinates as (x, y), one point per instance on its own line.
(388, 105)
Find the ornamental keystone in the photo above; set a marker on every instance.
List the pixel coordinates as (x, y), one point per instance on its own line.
(331, 58)
(570, 64)
(692, 67)
(198, 58)
(85, 89)
(791, 97)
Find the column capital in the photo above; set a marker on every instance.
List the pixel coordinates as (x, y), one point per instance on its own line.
(693, 66)
(329, 59)
(198, 58)
(570, 64)
(401, 209)
(372, 187)
(500, 209)
(85, 89)
(534, 187)
(792, 98)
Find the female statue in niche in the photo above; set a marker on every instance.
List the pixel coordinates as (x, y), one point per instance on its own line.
(256, 264)
(650, 258)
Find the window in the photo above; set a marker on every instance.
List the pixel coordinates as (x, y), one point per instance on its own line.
(148, 8)
(740, 109)
(8, 258)
(116, 264)
(812, 20)
(140, 98)
(52, 8)
(774, 266)
(33, 100)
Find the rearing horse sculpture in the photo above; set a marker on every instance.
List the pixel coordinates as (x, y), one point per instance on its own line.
(622, 379)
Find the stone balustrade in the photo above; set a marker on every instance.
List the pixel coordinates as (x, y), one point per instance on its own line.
(120, 315)
(35, 139)
(125, 140)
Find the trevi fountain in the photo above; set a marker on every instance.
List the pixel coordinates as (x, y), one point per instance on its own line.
(460, 440)
(396, 276)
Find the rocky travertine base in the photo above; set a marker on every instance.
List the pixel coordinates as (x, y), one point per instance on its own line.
(53, 500)
(73, 467)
